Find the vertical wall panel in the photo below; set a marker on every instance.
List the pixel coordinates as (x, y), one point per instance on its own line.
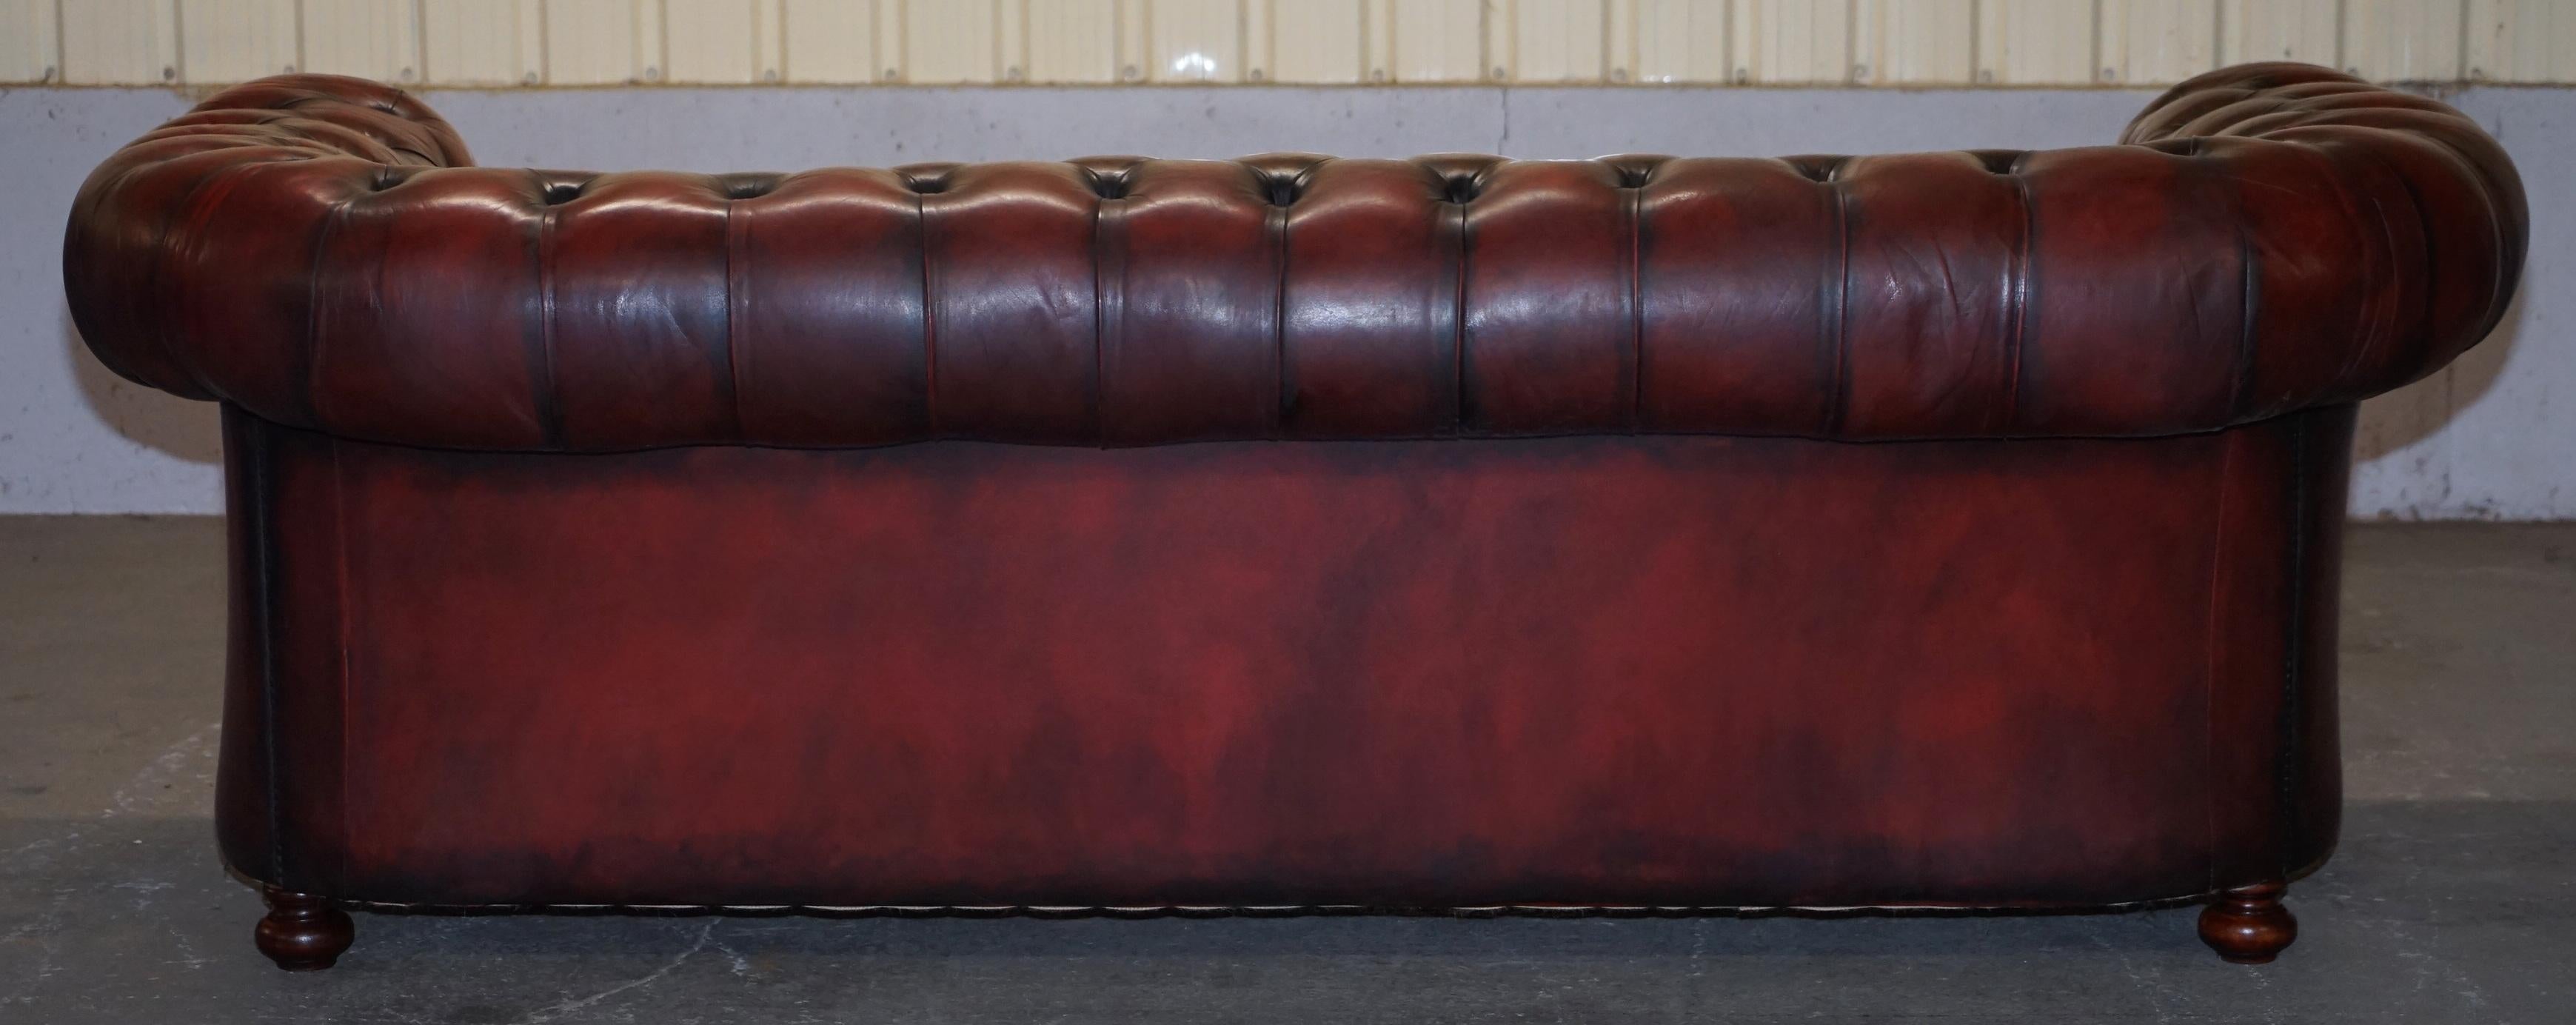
(1318, 41)
(769, 39)
(591, 42)
(482, 42)
(711, 40)
(1011, 39)
(2402, 40)
(2157, 42)
(889, 39)
(951, 41)
(232, 40)
(830, 41)
(378, 39)
(27, 38)
(1439, 40)
(1911, 42)
(2035, 42)
(1073, 40)
(2280, 30)
(1792, 41)
(1549, 41)
(120, 42)
(1196, 40)
(1255, 32)
(2522, 40)
(1377, 39)
(1682, 41)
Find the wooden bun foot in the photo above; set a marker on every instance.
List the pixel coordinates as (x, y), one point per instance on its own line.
(2248, 925)
(302, 932)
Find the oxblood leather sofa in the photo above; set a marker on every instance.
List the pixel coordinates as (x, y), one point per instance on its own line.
(1947, 529)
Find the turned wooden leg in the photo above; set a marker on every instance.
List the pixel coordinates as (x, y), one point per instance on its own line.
(302, 932)
(2248, 925)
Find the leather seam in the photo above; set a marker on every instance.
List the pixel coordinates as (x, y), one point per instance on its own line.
(1837, 313)
(340, 617)
(255, 460)
(549, 394)
(2023, 270)
(737, 294)
(2294, 656)
(2209, 660)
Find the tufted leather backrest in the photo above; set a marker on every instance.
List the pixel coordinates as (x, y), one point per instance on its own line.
(319, 251)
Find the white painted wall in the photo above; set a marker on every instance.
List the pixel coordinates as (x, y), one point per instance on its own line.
(2490, 438)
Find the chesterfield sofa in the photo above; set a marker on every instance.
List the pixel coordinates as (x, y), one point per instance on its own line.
(1933, 530)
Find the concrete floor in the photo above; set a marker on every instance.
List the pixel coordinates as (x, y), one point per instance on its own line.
(2453, 898)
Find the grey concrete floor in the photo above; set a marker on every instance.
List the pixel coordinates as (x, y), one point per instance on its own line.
(2453, 898)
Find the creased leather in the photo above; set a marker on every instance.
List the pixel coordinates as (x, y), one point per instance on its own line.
(321, 252)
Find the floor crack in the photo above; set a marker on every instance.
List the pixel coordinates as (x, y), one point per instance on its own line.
(558, 1010)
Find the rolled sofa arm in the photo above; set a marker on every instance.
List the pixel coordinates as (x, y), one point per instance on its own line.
(318, 251)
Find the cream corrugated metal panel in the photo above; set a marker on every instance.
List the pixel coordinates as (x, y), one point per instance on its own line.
(1134, 49)
(1011, 39)
(378, 39)
(120, 42)
(1195, 40)
(232, 40)
(482, 42)
(2035, 42)
(1682, 41)
(1377, 39)
(828, 41)
(1073, 40)
(1792, 42)
(1547, 40)
(712, 41)
(1318, 41)
(2402, 40)
(2280, 30)
(28, 36)
(2158, 42)
(591, 42)
(2522, 40)
(1914, 42)
(769, 39)
(889, 37)
(1254, 31)
(956, 41)
(1439, 40)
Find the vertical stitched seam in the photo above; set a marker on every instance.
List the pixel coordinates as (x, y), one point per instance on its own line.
(1636, 211)
(2209, 662)
(340, 612)
(1458, 334)
(549, 394)
(736, 289)
(255, 457)
(311, 371)
(1837, 312)
(2023, 263)
(929, 317)
(1279, 399)
(1100, 320)
(2248, 305)
(2294, 657)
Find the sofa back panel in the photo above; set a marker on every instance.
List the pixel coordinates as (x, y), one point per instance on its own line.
(1673, 671)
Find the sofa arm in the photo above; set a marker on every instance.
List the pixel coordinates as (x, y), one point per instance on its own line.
(2388, 229)
(2269, 237)
(213, 195)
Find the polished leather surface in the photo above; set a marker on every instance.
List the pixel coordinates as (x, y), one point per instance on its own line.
(1606, 670)
(2268, 238)
(576, 560)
